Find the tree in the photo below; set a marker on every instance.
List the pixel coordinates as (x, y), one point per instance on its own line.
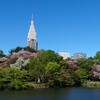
(52, 74)
(24, 54)
(20, 64)
(17, 49)
(38, 69)
(86, 63)
(72, 64)
(13, 78)
(40, 61)
(97, 57)
(75, 77)
(1, 54)
(64, 64)
(95, 72)
(82, 73)
(29, 49)
(48, 56)
(65, 78)
(51, 68)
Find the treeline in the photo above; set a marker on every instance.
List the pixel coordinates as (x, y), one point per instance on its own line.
(25, 68)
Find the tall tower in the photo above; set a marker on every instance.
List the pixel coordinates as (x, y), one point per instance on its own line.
(31, 39)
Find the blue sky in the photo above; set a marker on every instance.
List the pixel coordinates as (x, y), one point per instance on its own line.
(61, 25)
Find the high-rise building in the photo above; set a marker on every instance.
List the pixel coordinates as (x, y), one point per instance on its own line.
(31, 39)
(65, 55)
(79, 55)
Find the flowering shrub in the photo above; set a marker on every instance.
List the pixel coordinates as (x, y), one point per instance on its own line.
(24, 54)
(95, 72)
(20, 63)
(4, 61)
(72, 64)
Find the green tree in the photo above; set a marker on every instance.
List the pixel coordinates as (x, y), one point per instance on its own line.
(13, 78)
(48, 56)
(86, 63)
(1, 54)
(38, 69)
(17, 49)
(38, 63)
(75, 77)
(82, 73)
(97, 57)
(51, 68)
(64, 64)
(29, 49)
(65, 78)
(52, 74)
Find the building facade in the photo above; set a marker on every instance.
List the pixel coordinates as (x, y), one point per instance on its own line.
(65, 55)
(31, 38)
(79, 55)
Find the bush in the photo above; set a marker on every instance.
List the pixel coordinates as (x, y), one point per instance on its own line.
(13, 78)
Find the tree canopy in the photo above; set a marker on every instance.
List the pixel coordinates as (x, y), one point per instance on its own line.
(25, 68)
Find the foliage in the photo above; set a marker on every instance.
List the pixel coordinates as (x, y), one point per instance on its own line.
(75, 77)
(64, 64)
(29, 69)
(48, 56)
(1, 54)
(97, 57)
(82, 73)
(86, 63)
(13, 78)
(18, 48)
(29, 49)
(24, 54)
(52, 74)
(4, 62)
(95, 72)
(72, 64)
(51, 68)
(38, 68)
(41, 60)
(20, 64)
(65, 78)
(53, 80)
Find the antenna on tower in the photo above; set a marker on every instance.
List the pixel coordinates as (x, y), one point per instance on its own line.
(32, 16)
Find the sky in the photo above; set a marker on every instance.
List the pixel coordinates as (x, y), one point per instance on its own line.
(61, 25)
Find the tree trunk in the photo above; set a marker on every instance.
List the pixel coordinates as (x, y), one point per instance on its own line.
(38, 79)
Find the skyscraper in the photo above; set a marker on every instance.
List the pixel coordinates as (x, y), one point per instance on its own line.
(65, 55)
(79, 55)
(31, 39)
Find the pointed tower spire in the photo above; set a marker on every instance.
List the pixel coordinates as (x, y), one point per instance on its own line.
(32, 22)
(31, 39)
(32, 16)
